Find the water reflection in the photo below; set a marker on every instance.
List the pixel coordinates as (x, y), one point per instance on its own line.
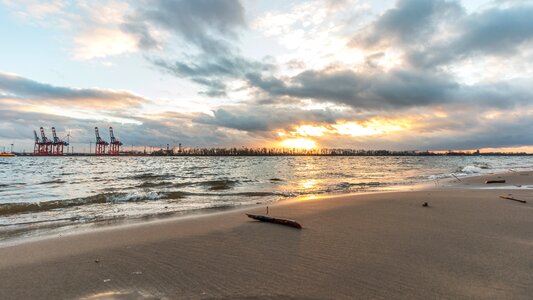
(308, 184)
(43, 191)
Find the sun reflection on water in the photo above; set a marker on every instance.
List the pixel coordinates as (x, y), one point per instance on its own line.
(308, 184)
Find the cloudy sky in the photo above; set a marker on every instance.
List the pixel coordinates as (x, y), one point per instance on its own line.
(406, 74)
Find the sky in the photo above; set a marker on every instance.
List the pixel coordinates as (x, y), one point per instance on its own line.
(399, 75)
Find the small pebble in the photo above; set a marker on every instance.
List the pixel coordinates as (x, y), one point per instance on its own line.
(96, 260)
(425, 204)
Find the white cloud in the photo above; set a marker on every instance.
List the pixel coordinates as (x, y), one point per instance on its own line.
(103, 42)
(315, 33)
(30, 9)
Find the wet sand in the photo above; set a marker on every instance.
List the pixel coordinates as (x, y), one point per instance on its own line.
(468, 243)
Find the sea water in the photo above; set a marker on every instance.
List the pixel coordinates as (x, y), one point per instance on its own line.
(39, 195)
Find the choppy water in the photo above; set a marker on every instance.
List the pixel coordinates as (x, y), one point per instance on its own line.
(40, 193)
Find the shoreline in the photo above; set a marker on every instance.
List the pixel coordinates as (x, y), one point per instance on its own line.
(51, 232)
(468, 243)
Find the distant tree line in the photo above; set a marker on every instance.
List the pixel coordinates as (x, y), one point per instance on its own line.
(244, 151)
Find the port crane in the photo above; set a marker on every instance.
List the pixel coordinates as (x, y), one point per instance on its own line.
(37, 146)
(101, 144)
(46, 145)
(58, 144)
(114, 148)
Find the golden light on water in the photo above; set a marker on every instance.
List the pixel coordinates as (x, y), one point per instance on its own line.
(300, 143)
(308, 184)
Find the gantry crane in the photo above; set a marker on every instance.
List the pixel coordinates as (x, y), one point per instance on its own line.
(58, 144)
(37, 147)
(114, 149)
(46, 144)
(100, 143)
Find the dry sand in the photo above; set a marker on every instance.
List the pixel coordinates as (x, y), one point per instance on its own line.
(467, 244)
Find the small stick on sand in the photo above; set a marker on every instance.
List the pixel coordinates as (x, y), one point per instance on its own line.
(456, 177)
(279, 221)
(514, 199)
(495, 181)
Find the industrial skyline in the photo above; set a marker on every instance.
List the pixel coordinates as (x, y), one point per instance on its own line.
(406, 74)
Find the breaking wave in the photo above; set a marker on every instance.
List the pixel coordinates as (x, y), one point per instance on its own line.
(14, 208)
(471, 170)
(347, 185)
(17, 208)
(215, 185)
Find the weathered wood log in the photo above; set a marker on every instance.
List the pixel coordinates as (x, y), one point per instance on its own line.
(280, 221)
(513, 199)
(495, 181)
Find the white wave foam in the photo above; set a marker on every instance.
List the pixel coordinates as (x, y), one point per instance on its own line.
(471, 170)
(136, 196)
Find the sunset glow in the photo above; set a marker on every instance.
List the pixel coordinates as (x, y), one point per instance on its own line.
(389, 74)
(353, 129)
(299, 143)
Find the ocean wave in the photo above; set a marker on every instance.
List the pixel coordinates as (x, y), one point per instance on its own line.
(149, 176)
(182, 194)
(438, 176)
(482, 165)
(150, 184)
(116, 198)
(25, 207)
(471, 170)
(12, 184)
(53, 181)
(216, 185)
(276, 179)
(358, 184)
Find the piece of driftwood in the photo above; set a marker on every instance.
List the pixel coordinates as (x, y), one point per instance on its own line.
(514, 199)
(280, 221)
(495, 181)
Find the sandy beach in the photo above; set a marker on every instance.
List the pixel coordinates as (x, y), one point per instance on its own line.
(468, 243)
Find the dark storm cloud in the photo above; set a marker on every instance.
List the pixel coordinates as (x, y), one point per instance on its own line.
(481, 133)
(210, 26)
(202, 22)
(12, 86)
(363, 90)
(145, 40)
(379, 91)
(235, 120)
(211, 71)
(493, 32)
(431, 33)
(439, 32)
(409, 21)
(268, 118)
